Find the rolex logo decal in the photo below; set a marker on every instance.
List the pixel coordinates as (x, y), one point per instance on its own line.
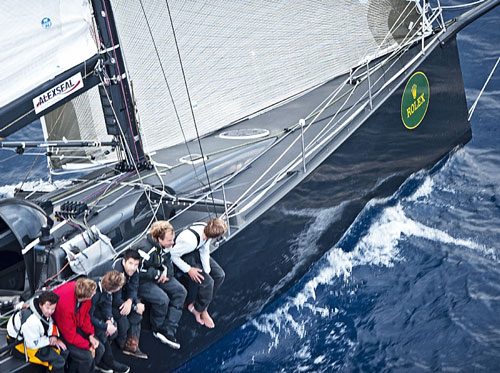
(415, 100)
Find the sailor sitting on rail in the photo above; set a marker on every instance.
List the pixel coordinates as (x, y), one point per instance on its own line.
(157, 284)
(191, 254)
(73, 320)
(41, 337)
(101, 317)
(127, 308)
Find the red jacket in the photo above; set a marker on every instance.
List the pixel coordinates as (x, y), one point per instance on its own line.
(67, 320)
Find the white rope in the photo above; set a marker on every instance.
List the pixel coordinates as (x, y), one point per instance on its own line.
(473, 107)
(462, 5)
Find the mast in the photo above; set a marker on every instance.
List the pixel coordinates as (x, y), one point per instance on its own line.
(115, 93)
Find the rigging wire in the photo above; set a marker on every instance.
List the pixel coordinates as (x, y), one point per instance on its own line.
(191, 105)
(57, 122)
(170, 94)
(279, 174)
(462, 5)
(28, 173)
(394, 54)
(473, 107)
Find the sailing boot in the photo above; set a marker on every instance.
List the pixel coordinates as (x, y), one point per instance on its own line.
(131, 348)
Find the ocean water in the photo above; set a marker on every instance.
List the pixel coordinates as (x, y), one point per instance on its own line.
(413, 285)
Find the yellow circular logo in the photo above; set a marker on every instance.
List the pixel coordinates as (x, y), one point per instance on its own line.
(415, 100)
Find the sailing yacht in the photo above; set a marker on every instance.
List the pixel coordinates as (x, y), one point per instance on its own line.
(253, 112)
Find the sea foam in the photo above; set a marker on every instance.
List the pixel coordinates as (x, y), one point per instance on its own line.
(377, 246)
(38, 185)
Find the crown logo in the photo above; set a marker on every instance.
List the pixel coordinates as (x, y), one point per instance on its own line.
(414, 91)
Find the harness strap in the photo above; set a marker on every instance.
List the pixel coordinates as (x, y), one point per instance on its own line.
(196, 234)
(198, 238)
(23, 315)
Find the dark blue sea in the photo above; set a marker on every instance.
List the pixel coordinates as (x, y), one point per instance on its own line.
(413, 285)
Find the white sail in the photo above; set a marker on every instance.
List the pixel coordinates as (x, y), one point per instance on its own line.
(46, 37)
(80, 119)
(240, 57)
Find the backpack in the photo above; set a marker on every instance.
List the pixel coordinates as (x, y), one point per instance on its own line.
(22, 315)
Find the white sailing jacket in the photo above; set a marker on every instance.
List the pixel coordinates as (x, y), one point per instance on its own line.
(32, 330)
(187, 242)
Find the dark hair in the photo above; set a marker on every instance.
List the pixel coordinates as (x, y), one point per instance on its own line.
(48, 296)
(131, 253)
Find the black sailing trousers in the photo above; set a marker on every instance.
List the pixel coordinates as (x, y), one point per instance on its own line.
(202, 294)
(166, 300)
(128, 326)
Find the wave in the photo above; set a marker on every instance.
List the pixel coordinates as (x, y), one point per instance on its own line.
(38, 185)
(377, 245)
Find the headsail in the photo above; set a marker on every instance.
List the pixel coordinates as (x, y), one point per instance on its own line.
(214, 63)
(45, 50)
(78, 120)
(241, 57)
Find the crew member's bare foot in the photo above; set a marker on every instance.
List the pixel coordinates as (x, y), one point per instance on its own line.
(197, 315)
(209, 323)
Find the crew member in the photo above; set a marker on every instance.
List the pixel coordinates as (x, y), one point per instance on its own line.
(157, 284)
(191, 254)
